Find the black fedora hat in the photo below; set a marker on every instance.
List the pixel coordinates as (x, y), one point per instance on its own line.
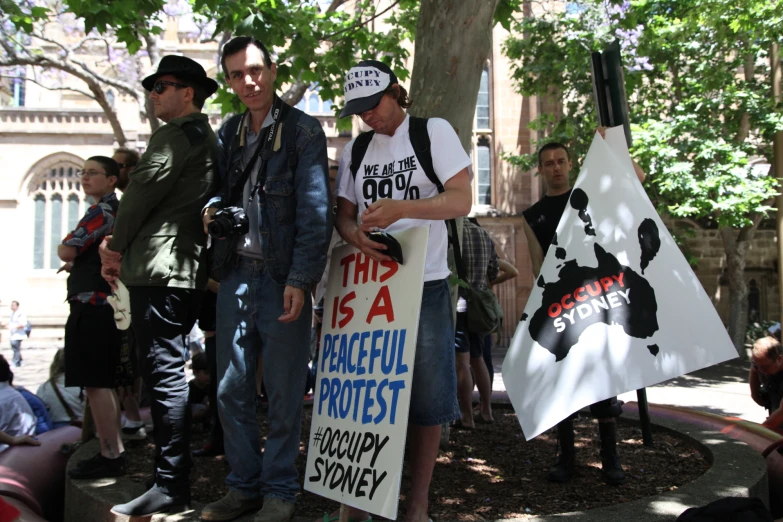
(183, 68)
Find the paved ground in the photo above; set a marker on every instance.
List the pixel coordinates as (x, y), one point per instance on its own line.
(37, 357)
(720, 389)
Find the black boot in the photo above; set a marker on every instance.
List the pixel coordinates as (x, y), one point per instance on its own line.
(155, 500)
(610, 461)
(563, 468)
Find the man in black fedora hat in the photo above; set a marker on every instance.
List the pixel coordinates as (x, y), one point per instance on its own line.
(158, 251)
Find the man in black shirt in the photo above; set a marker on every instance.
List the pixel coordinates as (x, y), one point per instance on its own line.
(554, 164)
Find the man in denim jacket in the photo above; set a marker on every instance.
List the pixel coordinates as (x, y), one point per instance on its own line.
(264, 305)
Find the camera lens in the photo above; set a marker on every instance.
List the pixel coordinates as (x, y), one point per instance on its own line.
(215, 229)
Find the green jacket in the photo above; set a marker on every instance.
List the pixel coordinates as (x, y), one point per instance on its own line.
(158, 227)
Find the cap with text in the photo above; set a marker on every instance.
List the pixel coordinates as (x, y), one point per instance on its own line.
(364, 86)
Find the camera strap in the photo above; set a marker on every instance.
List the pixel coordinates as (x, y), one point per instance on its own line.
(279, 112)
(264, 148)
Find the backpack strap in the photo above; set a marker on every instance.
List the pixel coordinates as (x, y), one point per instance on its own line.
(359, 149)
(62, 400)
(420, 139)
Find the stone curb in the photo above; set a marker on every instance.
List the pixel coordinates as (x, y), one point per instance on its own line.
(737, 470)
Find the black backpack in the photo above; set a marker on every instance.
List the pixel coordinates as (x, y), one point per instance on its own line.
(484, 313)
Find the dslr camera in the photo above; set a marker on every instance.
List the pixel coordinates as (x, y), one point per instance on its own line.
(228, 222)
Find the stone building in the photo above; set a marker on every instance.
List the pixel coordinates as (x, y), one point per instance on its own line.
(46, 135)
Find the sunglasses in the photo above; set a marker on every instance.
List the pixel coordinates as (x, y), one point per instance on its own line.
(161, 86)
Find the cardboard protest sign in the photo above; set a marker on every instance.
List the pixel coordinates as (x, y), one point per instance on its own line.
(365, 367)
(616, 306)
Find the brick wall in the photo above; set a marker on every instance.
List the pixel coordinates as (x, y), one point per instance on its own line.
(706, 247)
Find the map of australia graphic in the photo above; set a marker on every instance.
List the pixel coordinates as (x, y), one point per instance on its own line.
(609, 293)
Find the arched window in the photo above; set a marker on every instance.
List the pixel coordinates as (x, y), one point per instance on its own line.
(56, 231)
(58, 204)
(327, 109)
(302, 103)
(39, 231)
(483, 172)
(482, 102)
(312, 105)
(73, 211)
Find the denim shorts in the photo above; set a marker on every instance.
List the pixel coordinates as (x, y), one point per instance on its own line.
(434, 390)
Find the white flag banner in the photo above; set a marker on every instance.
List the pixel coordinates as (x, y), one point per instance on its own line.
(365, 370)
(616, 306)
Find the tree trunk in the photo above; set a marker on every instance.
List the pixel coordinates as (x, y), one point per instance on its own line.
(738, 291)
(453, 42)
(736, 245)
(108, 110)
(294, 93)
(149, 105)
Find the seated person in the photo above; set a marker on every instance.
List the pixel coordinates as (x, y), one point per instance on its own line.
(43, 420)
(766, 379)
(66, 405)
(198, 396)
(17, 420)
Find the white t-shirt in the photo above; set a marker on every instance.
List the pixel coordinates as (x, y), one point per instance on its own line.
(19, 319)
(16, 416)
(391, 170)
(56, 409)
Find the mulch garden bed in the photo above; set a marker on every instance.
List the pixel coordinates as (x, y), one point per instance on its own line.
(492, 472)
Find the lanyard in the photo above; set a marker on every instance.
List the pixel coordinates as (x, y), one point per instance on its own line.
(264, 149)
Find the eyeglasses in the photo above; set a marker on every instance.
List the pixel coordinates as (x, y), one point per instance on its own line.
(89, 173)
(161, 86)
(765, 366)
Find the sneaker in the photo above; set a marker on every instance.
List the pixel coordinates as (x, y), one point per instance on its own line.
(155, 500)
(134, 432)
(233, 505)
(98, 467)
(275, 510)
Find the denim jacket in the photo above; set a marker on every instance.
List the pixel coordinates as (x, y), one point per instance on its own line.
(294, 207)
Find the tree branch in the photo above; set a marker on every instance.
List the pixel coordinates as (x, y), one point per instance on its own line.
(749, 68)
(334, 5)
(48, 40)
(148, 104)
(117, 84)
(50, 88)
(360, 22)
(92, 84)
(295, 92)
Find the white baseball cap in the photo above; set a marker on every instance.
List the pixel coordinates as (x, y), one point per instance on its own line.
(364, 86)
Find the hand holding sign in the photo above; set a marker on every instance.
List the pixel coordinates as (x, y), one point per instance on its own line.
(616, 306)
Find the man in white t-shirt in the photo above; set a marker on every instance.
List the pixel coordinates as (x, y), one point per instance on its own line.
(392, 192)
(18, 334)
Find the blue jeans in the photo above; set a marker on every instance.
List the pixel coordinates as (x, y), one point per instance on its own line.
(16, 346)
(249, 303)
(434, 387)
